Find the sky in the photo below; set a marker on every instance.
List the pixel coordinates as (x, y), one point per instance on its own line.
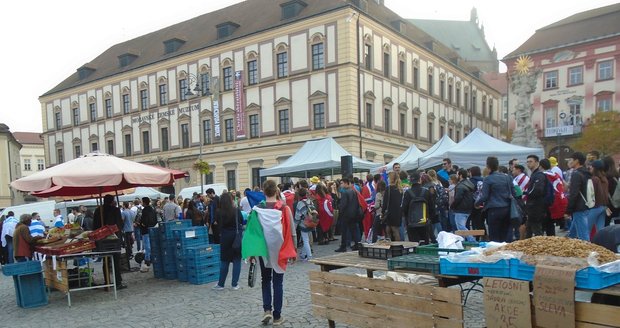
(46, 41)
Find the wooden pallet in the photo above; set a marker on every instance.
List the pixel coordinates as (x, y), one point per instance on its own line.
(366, 302)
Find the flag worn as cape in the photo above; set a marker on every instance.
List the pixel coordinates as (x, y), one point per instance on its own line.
(268, 234)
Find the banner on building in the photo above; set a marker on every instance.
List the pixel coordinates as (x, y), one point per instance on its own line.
(239, 105)
(216, 119)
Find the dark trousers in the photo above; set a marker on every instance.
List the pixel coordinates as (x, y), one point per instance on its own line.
(348, 229)
(476, 220)
(548, 225)
(128, 243)
(418, 234)
(498, 220)
(215, 237)
(535, 218)
(269, 277)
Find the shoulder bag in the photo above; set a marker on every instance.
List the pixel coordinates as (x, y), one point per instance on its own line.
(239, 233)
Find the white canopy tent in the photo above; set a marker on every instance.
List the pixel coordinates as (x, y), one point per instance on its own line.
(316, 157)
(476, 147)
(427, 159)
(412, 153)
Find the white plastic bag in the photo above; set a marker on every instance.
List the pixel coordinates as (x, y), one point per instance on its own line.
(449, 241)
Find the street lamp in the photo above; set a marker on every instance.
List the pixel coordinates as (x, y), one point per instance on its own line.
(192, 78)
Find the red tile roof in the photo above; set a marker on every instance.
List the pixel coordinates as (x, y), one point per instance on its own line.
(28, 138)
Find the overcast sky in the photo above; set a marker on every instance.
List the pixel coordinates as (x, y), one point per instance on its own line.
(46, 41)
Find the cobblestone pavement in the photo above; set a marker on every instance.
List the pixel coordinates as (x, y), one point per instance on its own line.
(150, 302)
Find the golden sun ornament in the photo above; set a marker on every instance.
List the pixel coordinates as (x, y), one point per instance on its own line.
(522, 66)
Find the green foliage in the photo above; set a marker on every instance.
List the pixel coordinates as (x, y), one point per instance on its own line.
(201, 166)
(602, 134)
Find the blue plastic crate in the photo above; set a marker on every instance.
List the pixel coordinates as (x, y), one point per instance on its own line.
(170, 275)
(172, 266)
(18, 268)
(203, 277)
(197, 268)
(189, 232)
(182, 275)
(202, 250)
(165, 228)
(202, 259)
(500, 268)
(30, 290)
(186, 243)
(158, 271)
(586, 278)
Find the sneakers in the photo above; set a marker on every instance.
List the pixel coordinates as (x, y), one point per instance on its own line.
(218, 287)
(267, 317)
(236, 287)
(278, 322)
(340, 250)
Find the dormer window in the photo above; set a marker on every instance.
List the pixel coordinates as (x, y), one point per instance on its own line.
(173, 45)
(226, 29)
(126, 59)
(292, 8)
(84, 72)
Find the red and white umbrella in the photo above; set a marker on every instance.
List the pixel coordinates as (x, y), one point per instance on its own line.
(92, 174)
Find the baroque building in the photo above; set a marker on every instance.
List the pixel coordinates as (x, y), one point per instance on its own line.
(245, 86)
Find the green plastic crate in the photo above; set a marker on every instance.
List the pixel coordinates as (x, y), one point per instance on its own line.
(415, 262)
(433, 249)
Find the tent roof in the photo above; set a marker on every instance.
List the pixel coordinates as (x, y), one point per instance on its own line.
(477, 146)
(412, 153)
(316, 157)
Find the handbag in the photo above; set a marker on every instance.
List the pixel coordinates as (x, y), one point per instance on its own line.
(239, 233)
(516, 213)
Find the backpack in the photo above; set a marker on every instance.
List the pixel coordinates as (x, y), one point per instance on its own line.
(558, 208)
(138, 218)
(441, 197)
(309, 217)
(418, 214)
(549, 192)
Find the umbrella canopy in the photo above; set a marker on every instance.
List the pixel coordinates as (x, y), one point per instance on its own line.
(93, 173)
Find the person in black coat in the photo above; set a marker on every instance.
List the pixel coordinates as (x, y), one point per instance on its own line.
(349, 209)
(230, 220)
(391, 210)
(109, 214)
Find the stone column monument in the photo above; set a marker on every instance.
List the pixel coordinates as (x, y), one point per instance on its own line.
(523, 84)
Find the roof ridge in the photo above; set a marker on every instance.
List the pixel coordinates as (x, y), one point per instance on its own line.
(581, 16)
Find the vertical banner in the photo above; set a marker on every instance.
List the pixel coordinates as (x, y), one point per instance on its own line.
(216, 119)
(239, 105)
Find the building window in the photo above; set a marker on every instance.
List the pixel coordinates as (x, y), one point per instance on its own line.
(442, 89)
(229, 129)
(416, 128)
(458, 136)
(110, 147)
(127, 145)
(60, 155)
(144, 99)
(466, 100)
(575, 75)
(369, 115)
(450, 133)
(254, 126)
(146, 142)
(231, 179)
(551, 117)
(209, 178)
(77, 151)
(58, 120)
(491, 110)
(431, 134)
(204, 83)
(92, 109)
(474, 101)
(183, 89)
(27, 165)
(401, 124)
(256, 181)
(605, 70)
(368, 56)
(458, 97)
(283, 121)
(228, 78)
(163, 94)
(282, 64)
(76, 116)
(319, 115)
(401, 71)
(126, 104)
(603, 103)
(185, 135)
(416, 78)
(551, 80)
(206, 132)
(430, 84)
(386, 64)
(442, 131)
(575, 114)
(318, 59)
(450, 94)
(108, 108)
(252, 72)
(484, 107)
(94, 147)
(40, 165)
(165, 139)
(387, 120)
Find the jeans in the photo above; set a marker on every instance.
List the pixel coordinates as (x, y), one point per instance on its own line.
(268, 276)
(460, 219)
(224, 272)
(498, 219)
(305, 236)
(9, 249)
(147, 247)
(444, 219)
(138, 235)
(596, 217)
(453, 222)
(580, 226)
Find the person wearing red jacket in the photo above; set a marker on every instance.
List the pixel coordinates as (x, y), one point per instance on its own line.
(368, 193)
(326, 213)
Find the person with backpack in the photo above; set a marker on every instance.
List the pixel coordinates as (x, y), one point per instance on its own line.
(463, 202)
(417, 206)
(557, 209)
(535, 198)
(441, 203)
(307, 219)
(601, 195)
(577, 207)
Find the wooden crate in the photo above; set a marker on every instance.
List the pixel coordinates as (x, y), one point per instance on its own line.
(59, 278)
(589, 315)
(366, 302)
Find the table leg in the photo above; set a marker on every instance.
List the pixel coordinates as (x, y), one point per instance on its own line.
(114, 278)
(370, 273)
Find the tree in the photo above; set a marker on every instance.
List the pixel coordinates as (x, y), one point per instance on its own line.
(602, 134)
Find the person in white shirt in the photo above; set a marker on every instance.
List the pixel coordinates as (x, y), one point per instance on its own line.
(71, 216)
(520, 178)
(171, 210)
(59, 222)
(37, 228)
(137, 204)
(8, 228)
(245, 202)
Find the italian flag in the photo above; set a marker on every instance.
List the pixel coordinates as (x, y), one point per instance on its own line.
(268, 234)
